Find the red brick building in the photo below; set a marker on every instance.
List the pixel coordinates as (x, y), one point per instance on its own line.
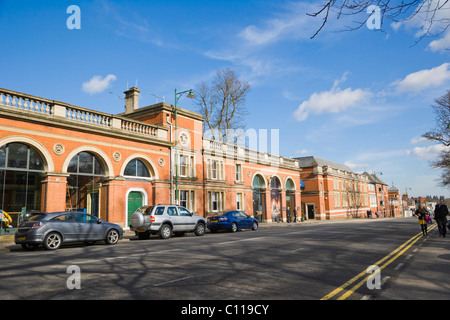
(332, 190)
(55, 156)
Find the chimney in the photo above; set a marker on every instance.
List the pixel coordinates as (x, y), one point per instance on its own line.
(131, 100)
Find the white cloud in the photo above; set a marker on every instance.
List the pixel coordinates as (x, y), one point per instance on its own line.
(429, 152)
(417, 140)
(353, 165)
(98, 84)
(423, 79)
(291, 25)
(440, 44)
(333, 101)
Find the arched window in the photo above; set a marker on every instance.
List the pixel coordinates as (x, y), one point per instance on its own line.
(258, 182)
(259, 198)
(275, 199)
(21, 169)
(136, 168)
(83, 184)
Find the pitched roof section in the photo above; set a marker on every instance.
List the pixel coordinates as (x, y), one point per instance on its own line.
(313, 161)
(374, 178)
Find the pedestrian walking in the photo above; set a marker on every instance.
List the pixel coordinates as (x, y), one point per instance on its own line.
(295, 215)
(288, 215)
(440, 215)
(421, 212)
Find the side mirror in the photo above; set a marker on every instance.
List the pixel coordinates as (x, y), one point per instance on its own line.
(99, 221)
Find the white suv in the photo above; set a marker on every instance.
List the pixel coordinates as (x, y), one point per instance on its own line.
(165, 219)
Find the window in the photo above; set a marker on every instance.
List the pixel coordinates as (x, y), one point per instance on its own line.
(186, 166)
(187, 199)
(64, 217)
(238, 172)
(215, 170)
(159, 211)
(215, 201)
(239, 201)
(172, 211)
(184, 212)
(136, 168)
(21, 169)
(84, 183)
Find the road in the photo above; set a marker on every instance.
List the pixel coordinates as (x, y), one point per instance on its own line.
(325, 260)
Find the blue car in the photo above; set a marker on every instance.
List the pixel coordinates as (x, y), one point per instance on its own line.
(232, 221)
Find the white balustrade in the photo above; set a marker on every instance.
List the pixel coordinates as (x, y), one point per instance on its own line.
(32, 105)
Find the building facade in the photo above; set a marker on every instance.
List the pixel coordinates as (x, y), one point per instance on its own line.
(332, 190)
(55, 156)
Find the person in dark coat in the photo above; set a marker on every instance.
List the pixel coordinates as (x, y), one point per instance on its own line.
(440, 215)
(421, 213)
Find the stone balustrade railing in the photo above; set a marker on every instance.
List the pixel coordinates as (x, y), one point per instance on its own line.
(232, 151)
(31, 105)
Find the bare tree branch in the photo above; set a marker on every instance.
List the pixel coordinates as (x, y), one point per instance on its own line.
(223, 104)
(396, 11)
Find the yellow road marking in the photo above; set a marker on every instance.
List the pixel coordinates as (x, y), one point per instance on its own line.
(396, 253)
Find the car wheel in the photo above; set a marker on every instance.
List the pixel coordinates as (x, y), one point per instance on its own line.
(255, 226)
(165, 231)
(234, 227)
(112, 237)
(52, 241)
(199, 229)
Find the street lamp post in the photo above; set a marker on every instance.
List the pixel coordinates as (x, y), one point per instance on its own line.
(190, 94)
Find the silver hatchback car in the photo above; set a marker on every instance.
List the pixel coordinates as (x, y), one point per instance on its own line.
(54, 229)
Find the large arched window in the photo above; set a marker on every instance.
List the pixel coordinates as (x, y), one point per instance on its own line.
(83, 184)
(21, 169)
(136, 168)
(290, 196)
(259, 198)
(275, 199)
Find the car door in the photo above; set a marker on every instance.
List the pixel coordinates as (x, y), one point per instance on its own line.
(176, 220)
(65, 224)
(243, 221)
(188, 222)
(87, 228)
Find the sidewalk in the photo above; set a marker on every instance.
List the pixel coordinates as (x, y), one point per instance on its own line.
(424, 276)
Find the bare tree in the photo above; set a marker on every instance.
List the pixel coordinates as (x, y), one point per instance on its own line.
(441, 134)
(222, 104)
(396, 11)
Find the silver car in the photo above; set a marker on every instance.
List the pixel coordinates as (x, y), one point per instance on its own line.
(165, 219)
(54, 229)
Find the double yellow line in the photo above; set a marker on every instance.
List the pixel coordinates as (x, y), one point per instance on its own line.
(390, 258)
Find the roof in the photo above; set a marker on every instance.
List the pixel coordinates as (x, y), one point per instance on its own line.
(374, 178)
(313, 161)
(393, 189)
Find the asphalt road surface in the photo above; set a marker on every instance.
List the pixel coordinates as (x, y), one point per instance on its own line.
(324, 260)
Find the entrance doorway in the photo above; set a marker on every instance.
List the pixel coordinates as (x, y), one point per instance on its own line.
(310, 211)
(135, 200)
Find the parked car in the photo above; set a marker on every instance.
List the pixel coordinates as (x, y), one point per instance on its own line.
(54, 229)
(165, 219)
(232, 221)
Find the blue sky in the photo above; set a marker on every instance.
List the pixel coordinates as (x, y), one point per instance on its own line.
(361, 98)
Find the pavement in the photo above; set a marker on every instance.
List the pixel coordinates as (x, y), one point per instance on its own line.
(425, 270)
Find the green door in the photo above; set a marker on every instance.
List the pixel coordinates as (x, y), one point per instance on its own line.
(134, 202)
